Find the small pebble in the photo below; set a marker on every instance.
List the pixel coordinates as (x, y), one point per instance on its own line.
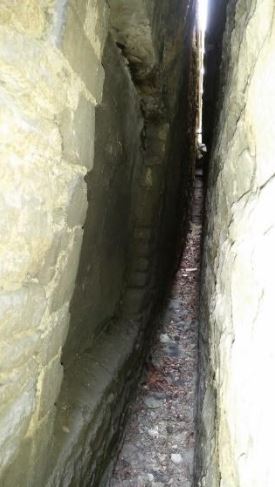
(152, 403)
(164, 338)
(176, 458)
(169, 429)
(153, 433)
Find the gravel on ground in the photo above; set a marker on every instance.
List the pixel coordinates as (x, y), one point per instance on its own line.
(158, 447)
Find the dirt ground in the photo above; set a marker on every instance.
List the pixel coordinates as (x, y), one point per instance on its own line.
(158, 448)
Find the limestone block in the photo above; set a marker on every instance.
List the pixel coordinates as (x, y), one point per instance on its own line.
(15, 419)
(19, 136)
(47, 198)
(77, 129)
(81, 6)
(18, 473)
(138, 279)
(143, 248)
(78, 203)
(21, 311)
(41, 444)
(49, 385)
(81, 55)
(29, 465)
(39, 89)
(93, 15)
(96, 24)
(65, 281)
(141, 264)
(17, 382)
(55, 335)
(49, 267)
(259, 113)
(28, 16)
(69, 210)
(23, 246)
(34, 196)
(133, 302)
(15, 350)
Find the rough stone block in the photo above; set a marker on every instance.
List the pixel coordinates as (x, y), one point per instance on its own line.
(21, 310)
(77, 129)
(144, 233)
(15, 420)
(49, 264)
(65, 282)
(41, 445)
(141, 264)
(29, 17)
(49, 385)
(17, 349)
(56, 334)
(138, 279)
(143, 248)
(133, 302)
(78, 204)
(17, 382)
(39, 96)
(81, 55)
(93, 15)
(18, 473)
(96, 24)
(22, 253)
(43, 203)
(80, 7)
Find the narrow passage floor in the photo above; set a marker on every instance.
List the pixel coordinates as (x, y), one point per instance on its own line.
(159, 439)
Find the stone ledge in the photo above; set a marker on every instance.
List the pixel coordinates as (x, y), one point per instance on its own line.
(98, 382)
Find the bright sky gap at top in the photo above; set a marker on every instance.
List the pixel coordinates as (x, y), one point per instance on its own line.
(202, 10)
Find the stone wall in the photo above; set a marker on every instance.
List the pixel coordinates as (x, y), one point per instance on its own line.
(48, 95)
(94, 182)
(237, 400)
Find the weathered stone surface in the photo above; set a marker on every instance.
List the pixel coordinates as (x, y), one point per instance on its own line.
(22, 310)
(86, 413)
(81, 55)
(132, 30)
(107, 230)
(51, 133)
(75, 125)
(55, 334)
(49, 383)
(64, 282)
(237, 331)
(43, 204)
(28, 17)
(16, 416)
